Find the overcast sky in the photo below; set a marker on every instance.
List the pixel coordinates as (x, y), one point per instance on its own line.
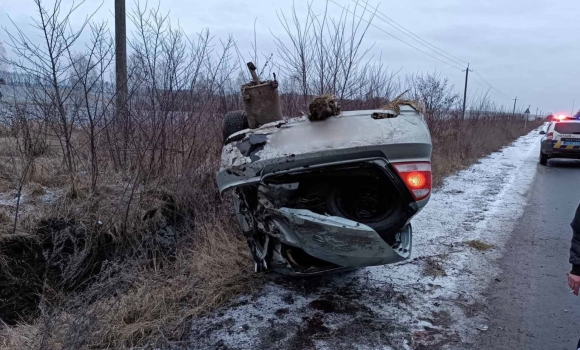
(528, 49)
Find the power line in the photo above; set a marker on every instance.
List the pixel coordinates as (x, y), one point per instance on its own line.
(416, 38)
(446, 55)
(447, 58)
(484, 87)
(489, 88)
(498, 91)
(394, 37)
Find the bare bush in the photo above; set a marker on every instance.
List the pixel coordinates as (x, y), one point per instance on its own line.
(328, 55)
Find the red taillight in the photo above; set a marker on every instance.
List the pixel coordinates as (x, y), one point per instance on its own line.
(550, 136)
(417, 178)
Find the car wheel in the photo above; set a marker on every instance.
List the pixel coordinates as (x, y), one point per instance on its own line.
(369, 203)
(543, 158)
(234, 121)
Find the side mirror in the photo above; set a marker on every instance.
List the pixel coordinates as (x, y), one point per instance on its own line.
(542, 132)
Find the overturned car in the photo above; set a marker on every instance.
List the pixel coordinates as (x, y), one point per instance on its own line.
(313, 197)
(320, 196)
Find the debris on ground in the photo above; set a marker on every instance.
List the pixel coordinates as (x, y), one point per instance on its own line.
(377, 115)
(323, 107)
(479, 245)
(434, 267)
(398, 101)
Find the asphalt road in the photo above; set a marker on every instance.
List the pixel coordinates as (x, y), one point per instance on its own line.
(530, 305)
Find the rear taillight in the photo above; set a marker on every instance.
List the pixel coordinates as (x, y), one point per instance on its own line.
(550, 136)
(417, 178)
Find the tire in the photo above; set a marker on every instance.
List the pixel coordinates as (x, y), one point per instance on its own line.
(368, 203)
(543, 158)
(234, 121)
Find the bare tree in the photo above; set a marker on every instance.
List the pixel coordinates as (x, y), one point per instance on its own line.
(91, 98)
(435, 93)
(50, 63)
(2, 56)
(321, 54)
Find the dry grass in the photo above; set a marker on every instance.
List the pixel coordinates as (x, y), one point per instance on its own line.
(479, 245)
(4, 218)
(153, 289)
(36, 189)
(155, 307)
(8, 147)
(21, 337)
(162, 303)
(149, 299)
(397, 102)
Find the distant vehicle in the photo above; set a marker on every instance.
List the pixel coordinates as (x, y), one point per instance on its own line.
(561, 140)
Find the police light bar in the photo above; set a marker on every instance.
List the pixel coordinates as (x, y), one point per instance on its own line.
(561, 117)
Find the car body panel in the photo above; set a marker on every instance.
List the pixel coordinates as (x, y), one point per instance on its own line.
(251, 154)
(341, 241)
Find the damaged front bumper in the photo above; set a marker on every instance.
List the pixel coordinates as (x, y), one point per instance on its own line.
(340, 241)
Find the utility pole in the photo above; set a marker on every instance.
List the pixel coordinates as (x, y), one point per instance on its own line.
(121, 87)
(537, 115)
(515, 101)
(465, 90)
(526, 116)
(573, 103)
(122, 90)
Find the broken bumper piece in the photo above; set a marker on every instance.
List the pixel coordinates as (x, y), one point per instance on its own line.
(340, 241)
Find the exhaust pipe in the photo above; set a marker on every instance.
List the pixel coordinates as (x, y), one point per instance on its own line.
(261, 100)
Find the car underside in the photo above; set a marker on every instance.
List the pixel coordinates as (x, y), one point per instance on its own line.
(347, 215)
(318, 197)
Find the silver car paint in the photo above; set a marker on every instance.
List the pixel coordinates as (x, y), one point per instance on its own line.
(298, 143)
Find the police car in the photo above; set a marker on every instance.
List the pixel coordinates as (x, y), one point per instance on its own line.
(561, 139)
